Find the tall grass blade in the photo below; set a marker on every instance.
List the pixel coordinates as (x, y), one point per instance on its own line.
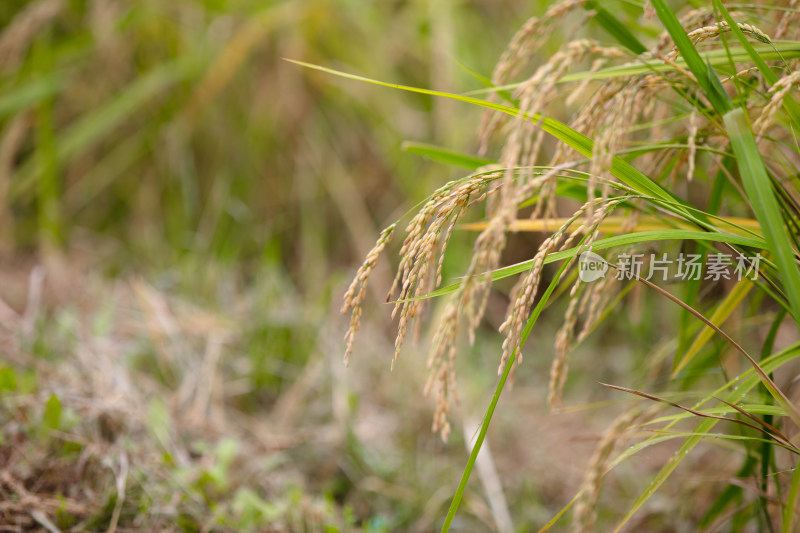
(46, 161)
(791, 502)
(789, 103)
(617, 241)
(759, 189)
(29, 94)
(703, 72)
(93, 128)
(727, 306)
(620, 168)
(473, 456)
(733, 391)
(448, 157)
(615, 28)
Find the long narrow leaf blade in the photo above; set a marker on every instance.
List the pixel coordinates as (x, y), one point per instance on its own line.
(705, 75)
(615, 28)
(789, 103)
(759, 189)
(617, 241)
(448, 157)
(720, 315)
(621, 169)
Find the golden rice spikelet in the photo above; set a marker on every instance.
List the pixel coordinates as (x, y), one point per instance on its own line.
(691, 141)
(354, 296)
(778, 91)
(528, 39)
(708, 32)
(788, 19)
(441, 366)
(585, 507)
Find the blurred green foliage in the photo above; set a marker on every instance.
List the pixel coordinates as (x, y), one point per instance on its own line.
(172, 135)
(171, 140)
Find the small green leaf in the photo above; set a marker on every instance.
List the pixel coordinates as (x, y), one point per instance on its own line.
(8, 380)
(443, 155)
(791, 502)
(51, 417)
(615, 28)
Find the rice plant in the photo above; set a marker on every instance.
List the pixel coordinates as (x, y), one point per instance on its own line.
(657, 161)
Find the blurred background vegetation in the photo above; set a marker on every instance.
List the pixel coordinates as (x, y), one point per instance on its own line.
(180, 210)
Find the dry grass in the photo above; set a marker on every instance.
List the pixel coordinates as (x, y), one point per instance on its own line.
(149, 435)
(152, 433)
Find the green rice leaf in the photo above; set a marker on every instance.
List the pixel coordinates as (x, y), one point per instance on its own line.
(615, 28)
(706, 77)
(733, 391)
(617, 241)
(448, 157)
(473, 456)
(727, 306)
(620, 168)
(759, 190)
(791, 502)
(777, 51)
(789, 103)
(754, 408)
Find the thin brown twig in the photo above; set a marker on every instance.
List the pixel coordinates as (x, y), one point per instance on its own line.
(771, 386)
(777, 437)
